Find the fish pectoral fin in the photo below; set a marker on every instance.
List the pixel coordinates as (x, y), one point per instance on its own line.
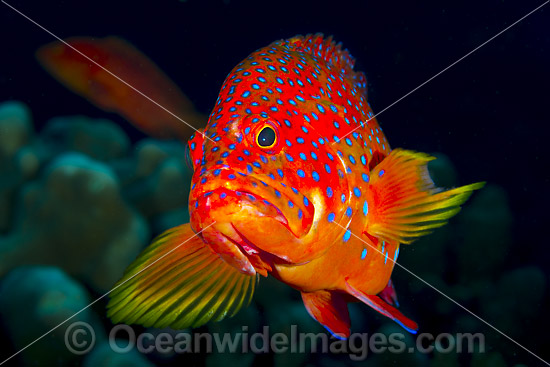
(179, 282)
(384, 308)
(330, 310)
(403, 202)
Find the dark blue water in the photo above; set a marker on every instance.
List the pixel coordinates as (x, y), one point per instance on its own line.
(488, 113)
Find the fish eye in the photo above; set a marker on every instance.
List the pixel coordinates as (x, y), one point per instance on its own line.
(267, 137)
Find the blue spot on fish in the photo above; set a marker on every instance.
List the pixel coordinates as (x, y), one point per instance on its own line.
(347, 235)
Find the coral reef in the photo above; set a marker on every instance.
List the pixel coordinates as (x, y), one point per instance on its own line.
(74, 217)
(79, 200)
(16, 163)
(34, 300)
(98, 139)
(103, 355)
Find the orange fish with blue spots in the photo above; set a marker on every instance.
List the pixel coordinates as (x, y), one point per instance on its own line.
(293, 177)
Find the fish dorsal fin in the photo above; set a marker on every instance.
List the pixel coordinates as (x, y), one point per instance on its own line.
(332, 53)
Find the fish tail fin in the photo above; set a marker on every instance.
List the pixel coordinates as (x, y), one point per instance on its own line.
(404, 204)
(179, 282)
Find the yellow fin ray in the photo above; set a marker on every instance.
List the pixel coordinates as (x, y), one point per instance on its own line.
(404, 203)
(179, 282)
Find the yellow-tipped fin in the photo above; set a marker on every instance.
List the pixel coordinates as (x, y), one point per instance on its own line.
(404, 203)
(189, 286)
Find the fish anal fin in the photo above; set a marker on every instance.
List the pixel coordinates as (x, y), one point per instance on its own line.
(404, 204)
(179, 282)
(330, 309)
(389, 294)
(384, 308)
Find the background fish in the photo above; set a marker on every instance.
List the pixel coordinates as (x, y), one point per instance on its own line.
(294, 178)
(111, 94)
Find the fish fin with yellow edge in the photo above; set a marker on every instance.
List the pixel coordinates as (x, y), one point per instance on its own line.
(403, 202)
(330, 310)
(179, 282)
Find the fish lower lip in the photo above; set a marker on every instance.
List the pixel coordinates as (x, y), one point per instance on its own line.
(250, 249)
(261, 261)
(246, 246)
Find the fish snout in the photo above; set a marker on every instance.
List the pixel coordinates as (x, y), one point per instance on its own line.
(229, 197)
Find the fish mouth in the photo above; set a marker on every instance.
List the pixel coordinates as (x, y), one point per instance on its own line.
(262, 261)
(251, 220)
(253, 197)
(232, 192)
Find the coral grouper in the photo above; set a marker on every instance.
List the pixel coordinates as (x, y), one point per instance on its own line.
(293, 177)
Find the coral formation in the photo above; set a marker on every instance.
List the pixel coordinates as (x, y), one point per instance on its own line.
(79, 200)
(33, 301)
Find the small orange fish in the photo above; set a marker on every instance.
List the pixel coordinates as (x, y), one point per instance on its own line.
(108, 93)
(293, 177)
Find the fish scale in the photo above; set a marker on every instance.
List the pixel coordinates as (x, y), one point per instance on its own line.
(294, 178)
(300, 94)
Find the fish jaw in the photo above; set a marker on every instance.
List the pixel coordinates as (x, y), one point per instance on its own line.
(222, 236)
(251, 225)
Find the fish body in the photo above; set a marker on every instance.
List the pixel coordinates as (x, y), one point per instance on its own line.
(96, 82)
(309, 103)
(293, 177)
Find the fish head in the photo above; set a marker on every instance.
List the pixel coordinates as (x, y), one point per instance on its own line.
(257, 196)
(267, 182)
